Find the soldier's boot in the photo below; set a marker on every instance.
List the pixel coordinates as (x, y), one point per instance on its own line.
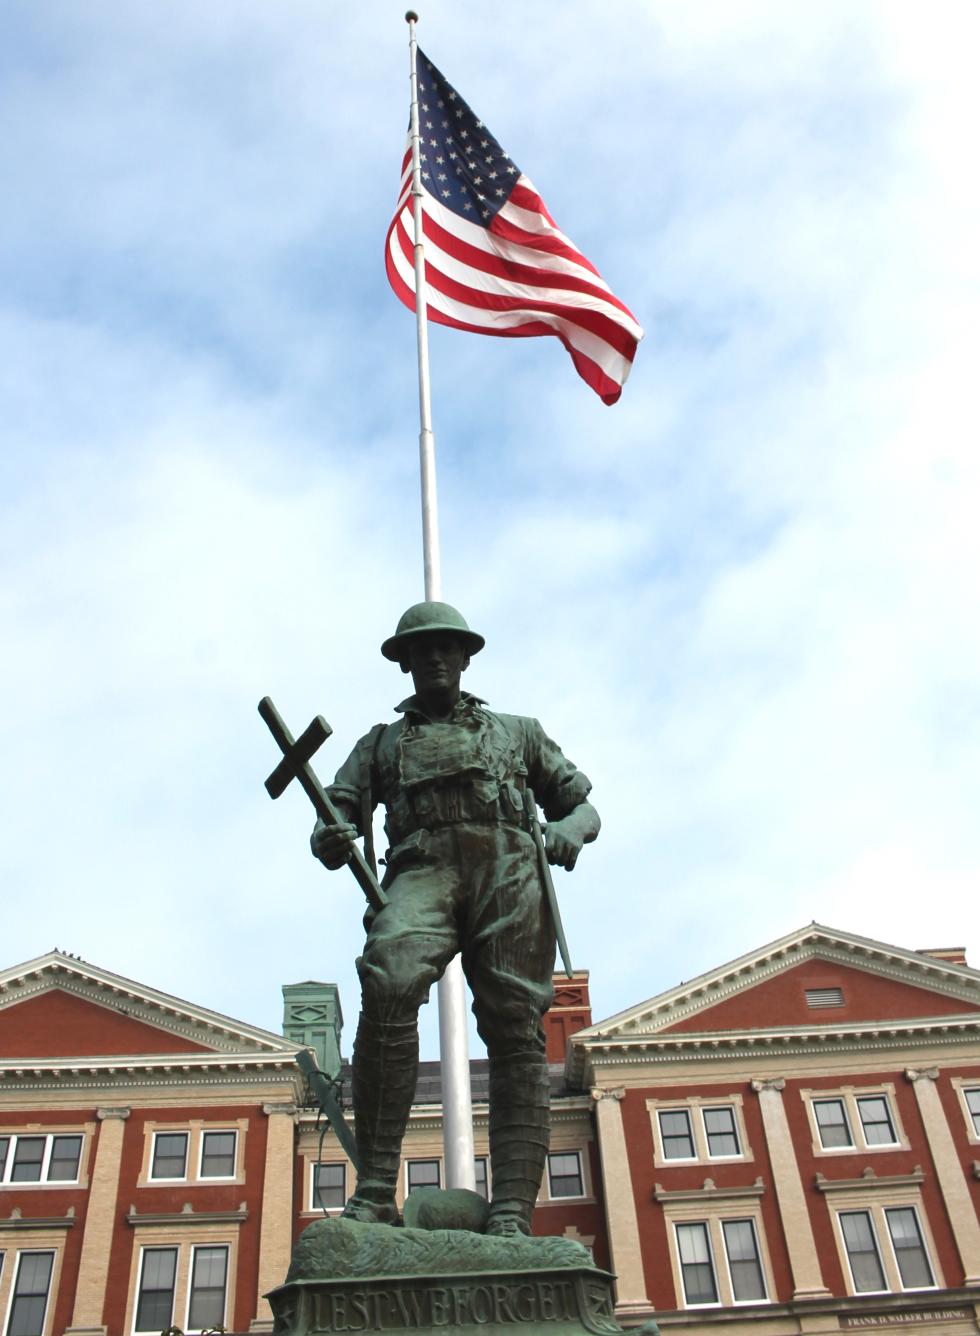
(386, 1061)
(518, 1139)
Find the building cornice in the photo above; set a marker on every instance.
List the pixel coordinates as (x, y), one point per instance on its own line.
(736, 1045)
(101, 1081)
(137, 1002)
(813, 942)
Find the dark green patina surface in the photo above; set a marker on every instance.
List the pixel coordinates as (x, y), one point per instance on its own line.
(350, 1277)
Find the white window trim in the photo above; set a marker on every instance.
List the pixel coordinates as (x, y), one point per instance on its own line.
(217, 1178)
(661, 1147)
(694, 1106)
(425, 1159)
(314, 1207)
(578, 1196)
(712, 1213)
(223, 1320)
(171, 1178)
(48, 1133)
(961, 1084)
(681, 1293)
(572, 1146)
(876, 1201)
(156, 1247)
(15, 1273)
(183, 1237)
(849, 1096)
(12, 1245)
(194, 1130)
(742, 1303)
(486, 1161)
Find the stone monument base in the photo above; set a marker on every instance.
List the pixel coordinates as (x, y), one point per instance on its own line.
(350, 1277)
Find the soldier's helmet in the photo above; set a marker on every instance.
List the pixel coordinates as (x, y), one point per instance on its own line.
(425, 618)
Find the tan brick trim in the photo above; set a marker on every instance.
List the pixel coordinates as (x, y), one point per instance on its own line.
(955, 1190)
(794, 1213)
(93, 1266)
(11, 1243)
(621, 1222)
(275, 1236)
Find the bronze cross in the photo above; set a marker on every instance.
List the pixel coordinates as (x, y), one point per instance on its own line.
(295, 764)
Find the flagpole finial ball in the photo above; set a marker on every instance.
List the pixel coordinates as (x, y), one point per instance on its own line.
(411, 17)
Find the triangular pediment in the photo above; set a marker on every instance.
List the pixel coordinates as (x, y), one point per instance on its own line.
(59, 1007)
(816, 977)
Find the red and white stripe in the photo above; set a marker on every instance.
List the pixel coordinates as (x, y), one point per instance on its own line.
(516, 278)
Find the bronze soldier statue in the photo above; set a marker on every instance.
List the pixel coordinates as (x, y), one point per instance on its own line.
(461, 875)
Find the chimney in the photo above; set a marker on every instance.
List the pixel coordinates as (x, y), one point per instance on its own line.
(312, 1017)
(571, 1011)
(952, 955)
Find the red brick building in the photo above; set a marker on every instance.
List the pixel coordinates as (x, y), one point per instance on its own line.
(157, 1161)
(788, 1143)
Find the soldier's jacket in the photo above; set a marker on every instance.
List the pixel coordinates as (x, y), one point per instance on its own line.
(472, 767)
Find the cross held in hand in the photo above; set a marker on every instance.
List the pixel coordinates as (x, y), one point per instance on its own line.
(295, 764)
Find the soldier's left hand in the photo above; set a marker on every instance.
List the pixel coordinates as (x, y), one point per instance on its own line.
(561, 844)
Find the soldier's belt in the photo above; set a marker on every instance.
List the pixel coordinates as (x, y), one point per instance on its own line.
(479, 802)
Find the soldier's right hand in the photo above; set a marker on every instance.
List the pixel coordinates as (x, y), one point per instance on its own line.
(333, 845)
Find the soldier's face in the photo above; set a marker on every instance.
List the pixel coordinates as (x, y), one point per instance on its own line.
(436, 662)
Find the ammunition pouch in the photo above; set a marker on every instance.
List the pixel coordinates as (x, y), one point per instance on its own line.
(461, 799)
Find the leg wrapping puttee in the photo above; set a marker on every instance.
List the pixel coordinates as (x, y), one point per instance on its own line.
(519, 1126)
(386, 1060)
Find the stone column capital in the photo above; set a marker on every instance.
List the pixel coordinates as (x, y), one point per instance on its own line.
(599, 1093)
(270, 1109)
(761, 1083)
(914, 1074)
(121, 1112)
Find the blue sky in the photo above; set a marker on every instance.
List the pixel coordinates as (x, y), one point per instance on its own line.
(743, 599)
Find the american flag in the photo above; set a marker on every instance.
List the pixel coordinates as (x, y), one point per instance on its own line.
(495, 261)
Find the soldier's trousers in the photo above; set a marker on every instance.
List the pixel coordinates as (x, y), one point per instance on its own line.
(474, 889)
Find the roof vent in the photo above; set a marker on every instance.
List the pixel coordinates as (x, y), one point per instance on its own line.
(824, 997)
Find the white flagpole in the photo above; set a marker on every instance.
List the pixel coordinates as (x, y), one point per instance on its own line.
(457, 1106)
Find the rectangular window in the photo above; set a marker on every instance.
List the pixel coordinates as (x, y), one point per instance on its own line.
(910, 1251)
(155, 1305)
(697, 1271)
(862, 1251)
(565, 1174)
(832, 1123)
(876, 1120)
(329, 1186)
(719, 1129)
(218, 1155)
(744, 1264)
(675, 1133)
(209, 1275)
(480, 1173)
(65, 1155)
(30, 1297)
(423, 1174)
(28, 1159)
(169, 1155)
(40, 1159)
(972, 1103)
(824, 997)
